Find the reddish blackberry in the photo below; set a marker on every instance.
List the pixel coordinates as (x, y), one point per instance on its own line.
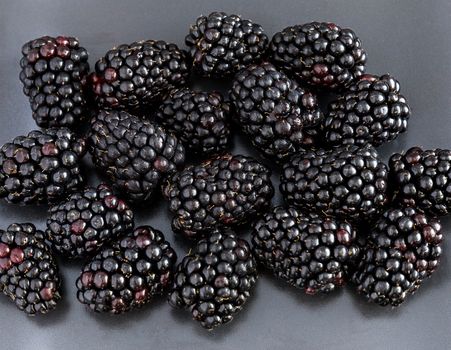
(199, 119)
(41, 167)
(223, 191)
(403, 249)
(28, 272)
(53, 73)
(128, 274)
(138, 75)
(346, 181)
(320, 54)
(277, 114)
(306, 250)
(136, 154)
(215, 279)
(221, 44)
(81, 224)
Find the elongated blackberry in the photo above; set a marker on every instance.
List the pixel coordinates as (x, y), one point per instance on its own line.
(82, 223)
(322, 55)
(277, 114)
(28, 272)
(53, 73)
(136, 154)
(42, 167)
(215, 279)
(128, 274)
(221, 44)
(224, 191)
(198, 119)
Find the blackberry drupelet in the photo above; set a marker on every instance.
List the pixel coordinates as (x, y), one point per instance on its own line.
(215, 279)
(277, 114)
(42, 167)
(128, 274)
(135, 76)
(322, 55)
(79, 226)
(136, 154)
(347, 181)
(371, 111)
(226, 190)
(53, 73)
(221, 44)
(422, 178)
(307, 251)
(28, 272)
(403, 249)
(198, 119)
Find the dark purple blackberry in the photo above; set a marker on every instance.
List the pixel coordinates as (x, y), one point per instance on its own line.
(42, 167)
(226, 190)
(135, 76)
(136, 154)
(198, 119)
(322, 55)
(277, 114)
(347, 181)
(128, 274)
(53, 73)
(28, 272)
(308, 251)
(221, 44)
(403, 249)
(82, 223)
(215, 279)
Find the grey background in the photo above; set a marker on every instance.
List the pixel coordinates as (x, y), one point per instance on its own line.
(409, 39)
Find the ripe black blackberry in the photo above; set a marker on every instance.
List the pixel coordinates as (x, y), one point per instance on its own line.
(135, 76)
(403, 249)
(42, 167)
(28, 272)
(53, 73)
(308, 251)
(347, 181)
(422, 178)
(221, 44)
(215, 279)
(198, 119)
(226, 190)
(82, 223)
(135, 153)
(322, 55)
(277, 114)
(128, 274)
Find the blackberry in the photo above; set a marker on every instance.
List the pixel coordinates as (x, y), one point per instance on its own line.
(322, 55)
(199, 119)
(128, 274)
(41, 167)
(138, 75)
(347, 181)
(277, 114)
(422, 178)
(28, 272)
(215, 279)
(136, 154)
(308, 251)
(223, 191)
(403, 249)
(53, 73)
(82, 223)
(221, 44)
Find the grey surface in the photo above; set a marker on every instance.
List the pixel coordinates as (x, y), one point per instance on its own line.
(409, 39)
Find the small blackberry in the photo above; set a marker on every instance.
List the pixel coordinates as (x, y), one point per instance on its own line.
(215, 279)
(128, 274)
